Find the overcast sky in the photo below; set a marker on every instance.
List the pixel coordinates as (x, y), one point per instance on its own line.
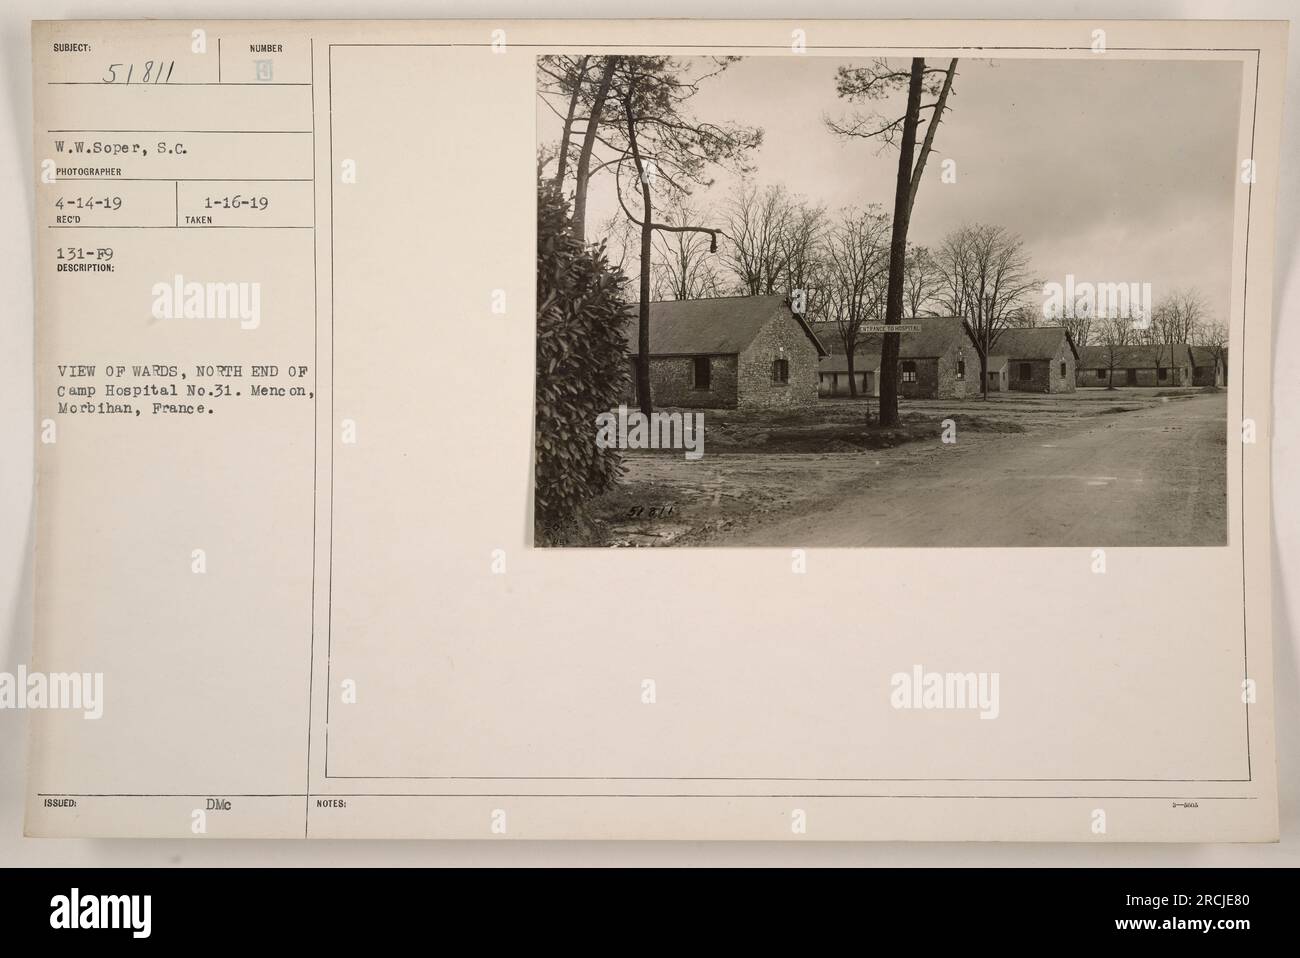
(1113, 170)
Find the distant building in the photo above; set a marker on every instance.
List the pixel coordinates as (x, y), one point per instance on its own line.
(833, 374)
(938, 362)
(1040, 359)
(833, 370)
(997, 373)
(1208, 366)
(1166, 364)
(733, 352)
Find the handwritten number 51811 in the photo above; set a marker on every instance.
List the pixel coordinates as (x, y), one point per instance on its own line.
(151, 71)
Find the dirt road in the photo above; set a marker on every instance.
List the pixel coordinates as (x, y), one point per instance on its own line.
(1151, 477)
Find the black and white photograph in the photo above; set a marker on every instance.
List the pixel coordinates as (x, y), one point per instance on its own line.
(792, 300)
(928, 363)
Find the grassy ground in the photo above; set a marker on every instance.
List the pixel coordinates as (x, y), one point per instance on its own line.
(840, 426)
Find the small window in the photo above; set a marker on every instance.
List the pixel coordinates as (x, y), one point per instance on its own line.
(780, 371)
(1026, 370)
(907, 371)
(1101, 374)
(1164, 373)
(703, 372)
(961, 369)
(1062, 370)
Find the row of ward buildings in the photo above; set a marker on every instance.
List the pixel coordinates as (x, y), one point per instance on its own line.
(756, 352)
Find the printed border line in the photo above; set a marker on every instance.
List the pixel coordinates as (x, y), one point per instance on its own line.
(329, 604)
(1245, 285)
(763, 778)
(186, 179)
(1029, 798)
(212, 794)
(786, 47)
(1245, 296)
(315, 428)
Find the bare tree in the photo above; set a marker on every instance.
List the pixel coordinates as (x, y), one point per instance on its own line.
(1178, 315)
(922, 280)
(1214, 337)
(1077, 320)
(1160, 348)
(1024, 316)
(1116, 334)
(800, 252)
(1147, 333)
(622, 238)
(683, 266)
(876, 82)
(856, 260)
(1174, 321)
(772, 243)
(755, 221)
(986, 282)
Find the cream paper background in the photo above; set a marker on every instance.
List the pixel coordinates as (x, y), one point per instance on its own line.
(483, 678)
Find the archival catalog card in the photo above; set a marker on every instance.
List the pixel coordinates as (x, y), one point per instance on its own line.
(702, 430)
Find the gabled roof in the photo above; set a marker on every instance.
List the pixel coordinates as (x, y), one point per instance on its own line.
(719, 325)
(1204, 356)
(1036, 342)
(937, 336)
(1135, 357)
